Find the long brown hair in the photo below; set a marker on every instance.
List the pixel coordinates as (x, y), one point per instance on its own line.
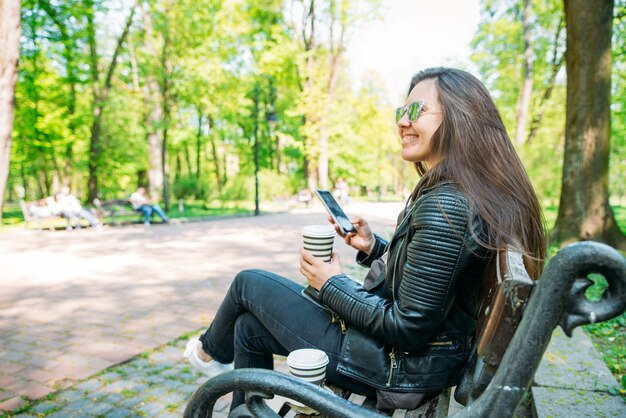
(478, 156)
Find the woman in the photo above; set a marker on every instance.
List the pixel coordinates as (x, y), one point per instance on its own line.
(407, 332)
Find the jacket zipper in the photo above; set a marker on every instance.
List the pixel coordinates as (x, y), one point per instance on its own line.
(392, 353)
(342, 323)
(440, 343)
(394, 365)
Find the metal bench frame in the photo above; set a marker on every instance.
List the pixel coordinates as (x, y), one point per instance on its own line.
(558, 299)
(114, 208)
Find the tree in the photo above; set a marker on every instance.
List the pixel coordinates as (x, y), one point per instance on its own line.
(100, 93)
(584, 211)
(9, 57)
(524, 101)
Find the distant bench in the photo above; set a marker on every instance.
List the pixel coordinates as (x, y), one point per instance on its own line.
(36, 212)
(110, 211)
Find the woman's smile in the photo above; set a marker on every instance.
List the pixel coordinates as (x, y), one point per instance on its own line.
(409, 140)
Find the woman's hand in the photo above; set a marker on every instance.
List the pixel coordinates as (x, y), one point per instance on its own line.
(362, 240)
(316, 271)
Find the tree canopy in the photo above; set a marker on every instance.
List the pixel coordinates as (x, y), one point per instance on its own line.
(175, 95)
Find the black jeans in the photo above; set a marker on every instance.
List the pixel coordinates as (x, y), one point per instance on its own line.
(265, 314)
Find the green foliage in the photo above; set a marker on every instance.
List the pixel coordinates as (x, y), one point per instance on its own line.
(186, 187)
(610, 338)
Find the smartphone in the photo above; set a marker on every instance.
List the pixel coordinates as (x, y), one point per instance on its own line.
(335, 211)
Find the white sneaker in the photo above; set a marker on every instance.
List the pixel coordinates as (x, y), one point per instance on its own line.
(208, 368)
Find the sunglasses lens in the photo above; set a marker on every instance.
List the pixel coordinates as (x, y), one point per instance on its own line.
(414, 111)
(399, 113)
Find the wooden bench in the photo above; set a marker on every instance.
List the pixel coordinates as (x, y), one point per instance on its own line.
(506, 355)
(36, 212)
(110, 211)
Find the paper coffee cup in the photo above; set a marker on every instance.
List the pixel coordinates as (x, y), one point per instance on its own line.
(308, 364)
(319, 240)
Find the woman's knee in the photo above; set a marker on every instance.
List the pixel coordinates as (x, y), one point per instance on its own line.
(248, 329)
(254, 279)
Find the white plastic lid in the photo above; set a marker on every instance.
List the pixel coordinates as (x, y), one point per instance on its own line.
(318, 230)
(307, 357)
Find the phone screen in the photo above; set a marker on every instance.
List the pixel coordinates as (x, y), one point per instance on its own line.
(335, 211)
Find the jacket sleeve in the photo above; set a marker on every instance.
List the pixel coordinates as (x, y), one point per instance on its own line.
(379, 249)
(429, 282)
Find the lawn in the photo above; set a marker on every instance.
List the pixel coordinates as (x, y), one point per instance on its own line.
(12, 214)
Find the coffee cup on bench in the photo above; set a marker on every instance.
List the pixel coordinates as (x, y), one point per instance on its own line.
(308, 364)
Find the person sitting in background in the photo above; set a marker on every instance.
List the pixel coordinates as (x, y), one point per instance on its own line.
(141, 203)
(342, 191)
(71, 209)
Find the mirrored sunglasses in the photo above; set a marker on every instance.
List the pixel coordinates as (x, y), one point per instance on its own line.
(414, 110)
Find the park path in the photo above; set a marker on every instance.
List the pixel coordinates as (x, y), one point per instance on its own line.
(73, 303)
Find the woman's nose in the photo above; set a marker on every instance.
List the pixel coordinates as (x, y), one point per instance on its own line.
(403, 121)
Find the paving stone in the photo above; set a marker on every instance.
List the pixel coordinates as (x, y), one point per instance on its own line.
(14, 356)
(70, 395)
(78, 405)
(44, 407)
(155, 379)
(574, 363)
(157, 392)
(119, 413)
(131, 402)
(9, 368)
(129, 385)
(30, 388)
(170, 414)
(98, 408)
(151, 409)
(172, 398)
(110, 376)
(41, 375)
(187, 389)
(5, 380)
(89, 385)
(171, 383)
(140, 363)
(5, 394)
(12, 403)
(118, 397)
(557, 403)
(63, 413)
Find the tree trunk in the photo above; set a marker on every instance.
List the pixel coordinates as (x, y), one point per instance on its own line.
(71, 77)
(188, 161)
(166, 70)
(557, 62)
(527, 89)
(152, 101)
(308, 37)
(100, 95)
(584, 211)
(198, 145)
(216, 160)
(10, 46)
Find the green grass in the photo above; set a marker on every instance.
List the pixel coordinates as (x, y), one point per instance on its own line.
(12, 214)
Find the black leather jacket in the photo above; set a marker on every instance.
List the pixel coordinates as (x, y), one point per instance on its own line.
(410, 329)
